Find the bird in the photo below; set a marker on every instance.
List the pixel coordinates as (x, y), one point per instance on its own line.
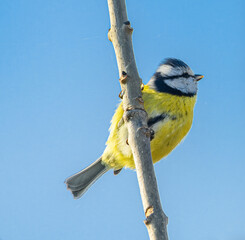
(169, 99)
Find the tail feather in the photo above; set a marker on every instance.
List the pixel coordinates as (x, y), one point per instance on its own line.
(80, 182)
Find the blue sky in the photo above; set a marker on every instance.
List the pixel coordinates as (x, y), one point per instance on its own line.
(58, 91)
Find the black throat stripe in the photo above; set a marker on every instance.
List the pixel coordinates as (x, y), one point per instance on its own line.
(184, 75)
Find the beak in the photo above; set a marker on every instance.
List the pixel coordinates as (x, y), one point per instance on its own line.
(198, 77)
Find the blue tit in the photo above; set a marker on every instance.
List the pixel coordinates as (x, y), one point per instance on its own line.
(169, 100)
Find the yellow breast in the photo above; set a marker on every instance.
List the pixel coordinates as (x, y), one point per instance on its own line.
(170, 117)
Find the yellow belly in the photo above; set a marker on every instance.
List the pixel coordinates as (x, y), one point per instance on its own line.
(168, 132)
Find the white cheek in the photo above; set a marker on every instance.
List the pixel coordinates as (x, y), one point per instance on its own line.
(182, 84)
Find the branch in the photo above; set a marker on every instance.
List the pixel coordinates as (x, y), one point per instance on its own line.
(135, 117)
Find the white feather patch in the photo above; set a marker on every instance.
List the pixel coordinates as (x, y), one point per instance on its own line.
(185, 85)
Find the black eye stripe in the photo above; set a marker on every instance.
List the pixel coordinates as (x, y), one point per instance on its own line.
(159, 85)
(184, 75)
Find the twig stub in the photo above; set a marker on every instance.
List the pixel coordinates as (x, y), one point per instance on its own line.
(140, 99)
(121, 94)
(124, 77)
(128, 26)
(127, 23)
(131, 111)
(148, 213)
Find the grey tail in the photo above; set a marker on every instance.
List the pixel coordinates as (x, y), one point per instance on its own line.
(80, 182)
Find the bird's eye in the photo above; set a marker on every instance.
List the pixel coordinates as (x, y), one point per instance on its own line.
(185, 75)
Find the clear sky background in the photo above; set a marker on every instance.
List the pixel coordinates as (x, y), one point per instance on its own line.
(58, 91)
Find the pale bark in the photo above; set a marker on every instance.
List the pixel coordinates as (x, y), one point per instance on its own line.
(135, 118)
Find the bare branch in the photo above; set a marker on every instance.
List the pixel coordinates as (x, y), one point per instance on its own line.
(135, 117)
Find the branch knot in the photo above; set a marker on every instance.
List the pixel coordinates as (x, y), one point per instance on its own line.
(123, 77)
(147, 131)
(121, 94)
(149, 215)
(128, 27)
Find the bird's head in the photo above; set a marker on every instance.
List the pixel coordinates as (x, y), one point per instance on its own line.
(175, 77)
